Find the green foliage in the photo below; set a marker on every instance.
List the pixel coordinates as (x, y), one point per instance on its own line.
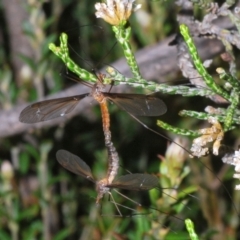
(190, 228)
(40, 200)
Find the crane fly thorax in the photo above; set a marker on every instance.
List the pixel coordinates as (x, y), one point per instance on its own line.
(97, 92)
(99, 97)
(101, 185)
(101, 189)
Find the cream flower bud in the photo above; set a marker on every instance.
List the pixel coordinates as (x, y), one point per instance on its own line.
(7, 170)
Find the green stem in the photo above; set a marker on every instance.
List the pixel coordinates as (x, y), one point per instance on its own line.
(228, 78)
(185, 91)
(205, 116)
(198, 64)
(63, 53)
(123, 35)
(190, 227)
(176, 130)
(231, 109)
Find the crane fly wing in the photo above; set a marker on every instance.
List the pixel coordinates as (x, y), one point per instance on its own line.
(49, 109)
(138, 104)
(74, 164)
(136, 182)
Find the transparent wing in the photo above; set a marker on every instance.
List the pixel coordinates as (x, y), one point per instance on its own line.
(138, 104)
(74, 164)
(49, 109)
(136, 182)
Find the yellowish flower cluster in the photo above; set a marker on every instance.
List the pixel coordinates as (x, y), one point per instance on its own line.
(213, 134)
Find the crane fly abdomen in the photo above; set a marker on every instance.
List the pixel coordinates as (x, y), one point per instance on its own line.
(105, 115)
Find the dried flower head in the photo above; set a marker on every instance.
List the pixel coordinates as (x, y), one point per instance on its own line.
(116, 12)
(213, 134)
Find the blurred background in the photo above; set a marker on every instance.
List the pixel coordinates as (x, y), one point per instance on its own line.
(42, 200)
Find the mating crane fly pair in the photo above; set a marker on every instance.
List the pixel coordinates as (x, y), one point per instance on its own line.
(134, 104)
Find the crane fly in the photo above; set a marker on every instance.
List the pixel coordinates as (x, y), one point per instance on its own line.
(134, 182)
(136, 104)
